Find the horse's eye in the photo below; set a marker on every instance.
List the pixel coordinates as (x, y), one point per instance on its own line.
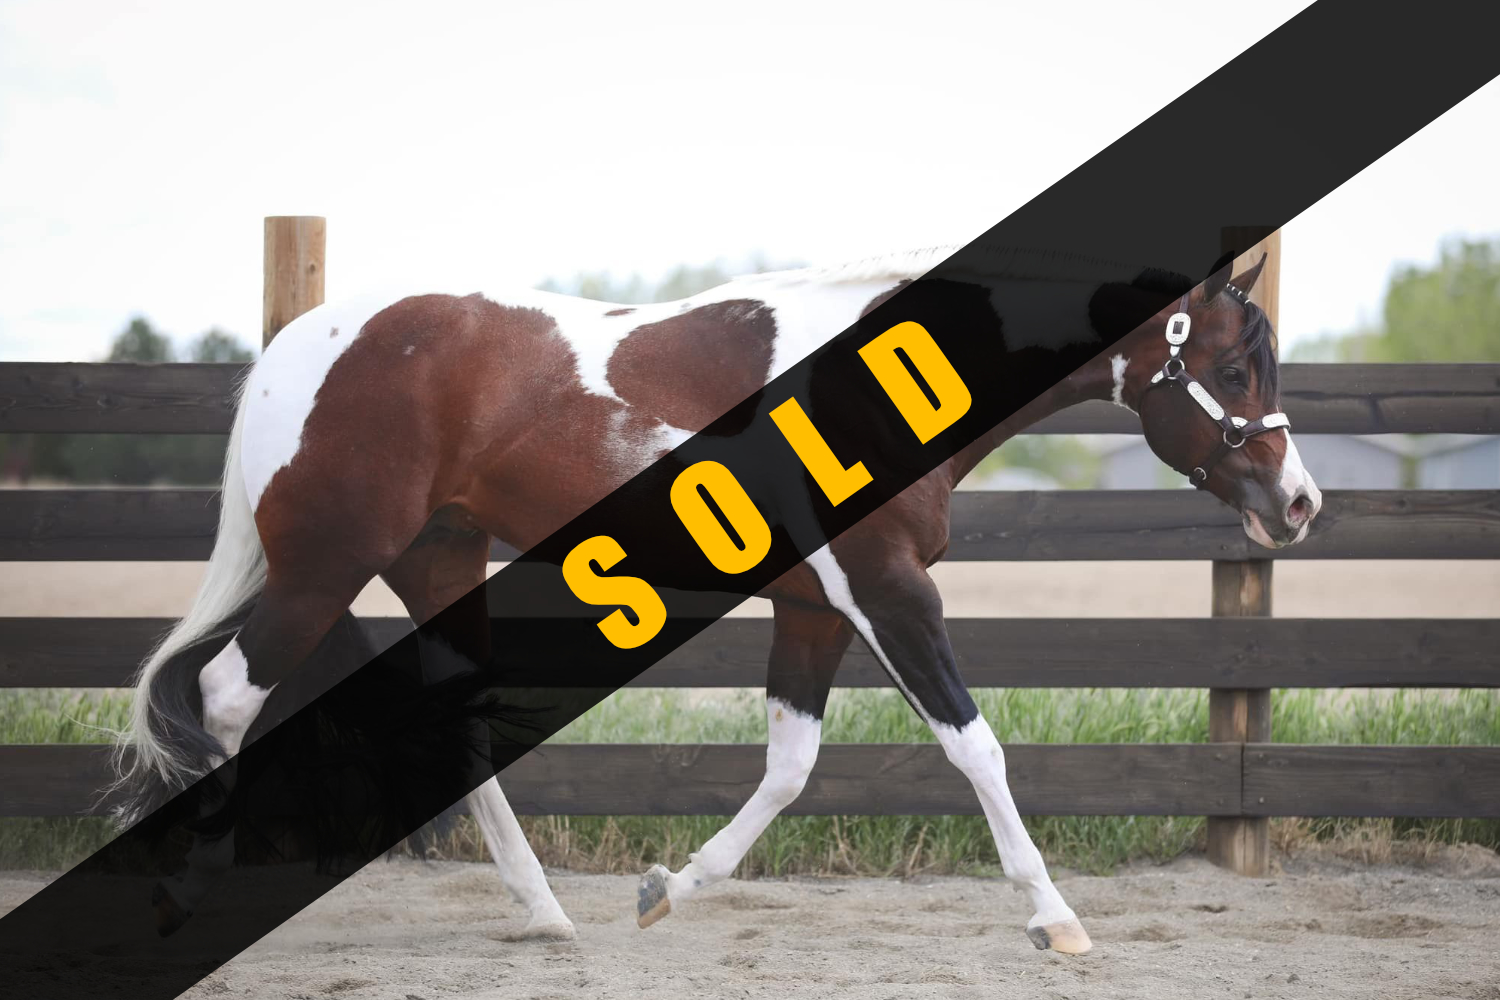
(1232, 375)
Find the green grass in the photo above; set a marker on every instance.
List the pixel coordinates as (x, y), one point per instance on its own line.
(862, 844)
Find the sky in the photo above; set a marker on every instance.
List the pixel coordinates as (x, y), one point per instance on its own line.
(487, 145)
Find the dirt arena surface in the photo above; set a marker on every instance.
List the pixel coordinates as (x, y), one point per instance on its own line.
(1316, 588)
(409, 929)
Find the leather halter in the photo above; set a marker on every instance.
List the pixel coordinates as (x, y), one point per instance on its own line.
(1236, 429)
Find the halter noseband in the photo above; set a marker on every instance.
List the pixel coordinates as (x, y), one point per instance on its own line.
(1236, 429)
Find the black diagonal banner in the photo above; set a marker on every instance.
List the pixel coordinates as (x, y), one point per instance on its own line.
(376, 754)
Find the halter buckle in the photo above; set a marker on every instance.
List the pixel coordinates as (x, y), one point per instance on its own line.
(1177, 328)
(1239, 438)
(1168, 372)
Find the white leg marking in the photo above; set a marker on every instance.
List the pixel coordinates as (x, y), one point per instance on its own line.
(1117, 366)
(520, 871)
(791, 751)
(230, 701)
(230, 705)
(975, 751)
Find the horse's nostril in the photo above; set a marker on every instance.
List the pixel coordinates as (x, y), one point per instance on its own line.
(1299, 511)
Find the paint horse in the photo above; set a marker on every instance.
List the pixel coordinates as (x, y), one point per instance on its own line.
(395, 435)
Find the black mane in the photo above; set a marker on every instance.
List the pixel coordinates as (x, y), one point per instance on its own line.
(1258, 342)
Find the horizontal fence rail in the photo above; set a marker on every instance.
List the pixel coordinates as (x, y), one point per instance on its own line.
(118, 398)
(992, 652)
(1289, 780)
(1150, 779)
(1237, 781)
(179, 524)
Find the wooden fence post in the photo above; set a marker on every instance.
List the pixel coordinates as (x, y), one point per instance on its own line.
(1240, 715)
(1243, 590)
(293, 270)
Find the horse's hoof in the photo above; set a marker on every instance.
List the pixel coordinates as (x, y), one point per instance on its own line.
(169, 915)
(651, 899)
(554, 927)
(1067, 937)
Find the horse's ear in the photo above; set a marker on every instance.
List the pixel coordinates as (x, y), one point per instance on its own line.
(1216, 281)
(1246, 280)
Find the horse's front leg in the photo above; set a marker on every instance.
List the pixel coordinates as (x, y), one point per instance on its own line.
(897, 610)
(805, 655)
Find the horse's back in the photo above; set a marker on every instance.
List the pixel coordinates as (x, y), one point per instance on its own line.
(555, 399)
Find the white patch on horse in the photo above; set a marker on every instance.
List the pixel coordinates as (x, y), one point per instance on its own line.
(624, 453)
(230, 705)
(230, 701)
(285, 382)
(1295, 477)
(1294, 480)
(520, 872)
(974, 750)
(791, 750)
(808, 313)
(670, 437)
(632, 452)
(809, 306)
(1117, 366)
(836, 590)
(807, 318)
(594, 337)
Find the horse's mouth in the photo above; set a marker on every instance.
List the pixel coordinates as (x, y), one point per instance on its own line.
(1256, 529)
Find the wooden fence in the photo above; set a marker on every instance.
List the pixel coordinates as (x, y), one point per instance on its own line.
(1237, 780)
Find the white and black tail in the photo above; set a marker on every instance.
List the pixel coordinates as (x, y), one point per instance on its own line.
(165, 747)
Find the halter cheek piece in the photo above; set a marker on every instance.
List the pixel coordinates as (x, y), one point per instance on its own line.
(1236, 430)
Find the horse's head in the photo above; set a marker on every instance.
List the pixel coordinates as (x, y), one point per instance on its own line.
(1208, 394)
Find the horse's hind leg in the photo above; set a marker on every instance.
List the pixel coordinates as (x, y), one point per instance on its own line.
(442, 568)
(290, 618)
(805, 655)
(898, 611)
(520, 872)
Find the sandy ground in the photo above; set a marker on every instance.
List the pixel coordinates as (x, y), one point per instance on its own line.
(409, 929)
(1314, 589)
(413, 931)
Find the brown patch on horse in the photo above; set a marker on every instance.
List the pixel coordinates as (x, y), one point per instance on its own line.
(691, 368)
(442, 400)
(621, 312)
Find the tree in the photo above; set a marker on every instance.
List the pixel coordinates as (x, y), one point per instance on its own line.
(131, 459)
(1446, 312)
(216, 346)
(140, 342)
(684, 281)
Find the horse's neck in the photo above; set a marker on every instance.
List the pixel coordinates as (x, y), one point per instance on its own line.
(1095, 380)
